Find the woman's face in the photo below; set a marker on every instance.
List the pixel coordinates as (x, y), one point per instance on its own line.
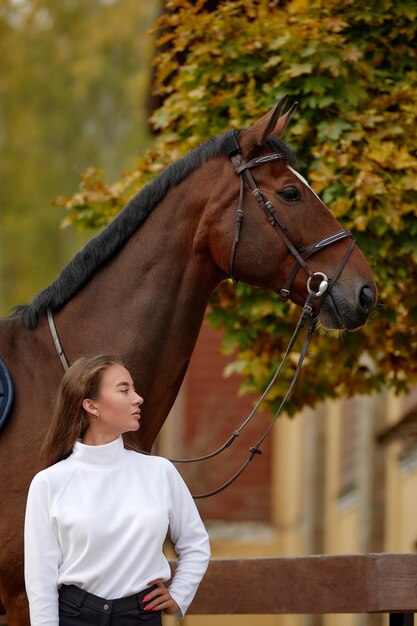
(118, 404)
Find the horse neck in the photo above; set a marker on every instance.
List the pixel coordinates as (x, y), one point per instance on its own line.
(147, 304)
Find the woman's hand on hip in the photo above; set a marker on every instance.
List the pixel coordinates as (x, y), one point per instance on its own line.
(160, 599)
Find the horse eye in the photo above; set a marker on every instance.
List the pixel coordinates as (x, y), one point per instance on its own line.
(289, 194)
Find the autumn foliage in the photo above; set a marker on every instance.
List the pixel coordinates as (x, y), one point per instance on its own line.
(353, 68)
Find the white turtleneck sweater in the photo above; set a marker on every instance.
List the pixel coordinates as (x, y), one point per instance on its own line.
(99, 519)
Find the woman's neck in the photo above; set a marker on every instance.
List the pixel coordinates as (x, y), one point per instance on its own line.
(99, 437)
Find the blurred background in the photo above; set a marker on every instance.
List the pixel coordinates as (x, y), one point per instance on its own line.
(74, 87)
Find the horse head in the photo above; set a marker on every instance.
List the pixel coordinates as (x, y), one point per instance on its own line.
(305, 250)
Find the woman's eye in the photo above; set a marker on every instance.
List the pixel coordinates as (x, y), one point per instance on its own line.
(289, 194)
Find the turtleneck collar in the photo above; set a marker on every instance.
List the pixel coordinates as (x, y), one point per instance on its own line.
(106, 455)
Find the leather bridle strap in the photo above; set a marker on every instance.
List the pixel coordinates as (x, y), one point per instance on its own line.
(306, 253)
(55, 337)
(238, 224)
(255, 450)
(305, 314)
(242, 170)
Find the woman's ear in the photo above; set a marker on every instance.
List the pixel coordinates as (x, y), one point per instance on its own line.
(89, 407)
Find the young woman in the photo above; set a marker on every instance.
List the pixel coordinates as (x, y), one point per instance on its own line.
(98, 515)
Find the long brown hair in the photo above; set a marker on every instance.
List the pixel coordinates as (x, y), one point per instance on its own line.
(69, 419)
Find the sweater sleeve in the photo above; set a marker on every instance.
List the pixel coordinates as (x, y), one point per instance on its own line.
(42, 556)
(190, 540)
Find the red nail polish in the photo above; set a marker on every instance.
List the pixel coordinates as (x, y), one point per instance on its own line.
(145, 599)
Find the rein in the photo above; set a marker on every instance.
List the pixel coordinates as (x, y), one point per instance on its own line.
(301, 255)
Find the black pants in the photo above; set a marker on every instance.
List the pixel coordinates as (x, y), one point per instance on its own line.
(79, 608)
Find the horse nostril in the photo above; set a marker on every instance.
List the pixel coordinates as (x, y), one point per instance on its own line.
(366, 299)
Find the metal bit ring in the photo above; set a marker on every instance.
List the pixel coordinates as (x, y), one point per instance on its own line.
(322, 287)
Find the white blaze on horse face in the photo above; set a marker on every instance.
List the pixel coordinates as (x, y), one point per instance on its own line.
(302, 179)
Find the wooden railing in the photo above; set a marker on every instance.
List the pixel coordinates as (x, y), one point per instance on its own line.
(359, 583)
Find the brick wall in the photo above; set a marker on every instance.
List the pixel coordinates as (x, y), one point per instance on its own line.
(211, 412)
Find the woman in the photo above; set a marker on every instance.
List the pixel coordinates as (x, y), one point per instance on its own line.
(98, 515)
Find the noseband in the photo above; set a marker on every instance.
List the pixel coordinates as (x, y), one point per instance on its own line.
(300, 254)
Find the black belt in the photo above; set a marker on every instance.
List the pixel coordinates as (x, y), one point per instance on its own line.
(80, 597)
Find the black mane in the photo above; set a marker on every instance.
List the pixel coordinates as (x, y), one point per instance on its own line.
(99, 250)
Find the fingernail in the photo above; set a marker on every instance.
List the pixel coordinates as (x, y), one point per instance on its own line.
(145, 599)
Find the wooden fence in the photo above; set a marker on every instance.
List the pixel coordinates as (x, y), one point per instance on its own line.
(360, 583)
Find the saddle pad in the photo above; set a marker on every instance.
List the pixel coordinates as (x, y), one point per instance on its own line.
(6, 393)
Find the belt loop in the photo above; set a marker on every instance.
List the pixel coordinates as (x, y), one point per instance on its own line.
(81, 597)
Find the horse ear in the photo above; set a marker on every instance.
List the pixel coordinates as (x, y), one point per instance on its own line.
(282, 123)
(271, 123)
(273, 116)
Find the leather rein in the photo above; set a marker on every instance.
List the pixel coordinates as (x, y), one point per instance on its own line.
(301, 255)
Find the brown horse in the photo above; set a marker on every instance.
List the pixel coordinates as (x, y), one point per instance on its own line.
(140, 289)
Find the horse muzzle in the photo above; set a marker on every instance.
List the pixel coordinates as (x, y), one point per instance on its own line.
(348, 307)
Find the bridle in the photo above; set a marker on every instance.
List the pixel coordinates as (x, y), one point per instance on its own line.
(301, 255)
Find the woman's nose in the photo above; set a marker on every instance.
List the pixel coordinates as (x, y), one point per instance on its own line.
(138, 399)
